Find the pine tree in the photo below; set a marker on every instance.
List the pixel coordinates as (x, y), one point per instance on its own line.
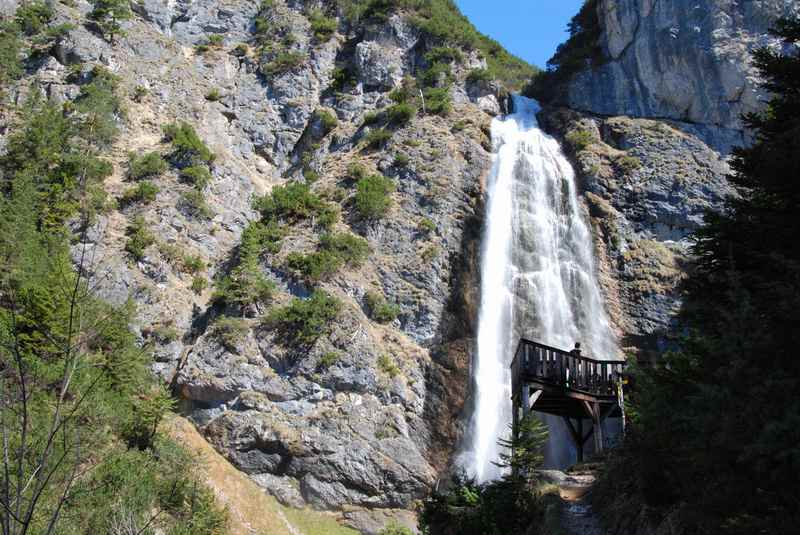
(719, 420)
(108, 14)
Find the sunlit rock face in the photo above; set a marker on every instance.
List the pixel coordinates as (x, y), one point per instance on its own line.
(689, 60)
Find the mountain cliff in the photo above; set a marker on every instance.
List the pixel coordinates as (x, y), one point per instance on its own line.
(294, 204)
(686, 61)
(648, 98)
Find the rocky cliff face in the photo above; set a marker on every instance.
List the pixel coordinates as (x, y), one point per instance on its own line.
(649, 130)
(646, 186)
(367, 415)
(683, 60)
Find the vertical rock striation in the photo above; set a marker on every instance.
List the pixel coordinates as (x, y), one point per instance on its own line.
(688, 60)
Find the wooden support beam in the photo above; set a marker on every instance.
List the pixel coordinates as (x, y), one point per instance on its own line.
(526, 400)
(576, 431)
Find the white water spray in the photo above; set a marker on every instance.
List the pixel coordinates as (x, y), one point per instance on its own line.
(538, 280)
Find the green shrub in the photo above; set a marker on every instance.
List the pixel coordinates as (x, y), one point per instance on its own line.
(438, 100)
(188, 148)
(444, 54)
(356, 171)
(628, 163)
(328, 359)
(479, 75)
(197, 175)
(460, 125)
(335, 251)
(108, 14)
(10, 48)
(379, 309)
(401, 113)
(284, 62)
(230, 332)
(292, 202)
(139, 238)
(401, 160)
(304, 320)
(258, 238)
(328, 216)
(436, 75)
(579, 139)
(371, 117)
(401, 94)
(245, 286)
(166, 334)
(316, 266)
(373, 196)
(388, 366)
(144, 192)
(213, 95)
(192, 264)
(141, 429)
(139, 92)
(426, 225)
(352, 249)
(195, 204)
(199, 284)
(33, 17)
(146, 165)
(216, 40)
(321, 26)
(342, 77)
(393, 528)
(430, 253)
(377, 139)
(327, 120)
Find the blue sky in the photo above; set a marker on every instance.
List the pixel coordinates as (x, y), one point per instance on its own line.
(530, 29)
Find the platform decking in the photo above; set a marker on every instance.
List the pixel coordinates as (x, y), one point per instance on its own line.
(566, 384)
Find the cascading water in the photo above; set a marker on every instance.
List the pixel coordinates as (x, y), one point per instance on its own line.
(538, 280)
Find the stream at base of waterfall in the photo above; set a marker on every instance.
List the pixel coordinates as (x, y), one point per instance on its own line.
(538, 280)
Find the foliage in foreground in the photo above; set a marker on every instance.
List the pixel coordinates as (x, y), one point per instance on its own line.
(715, 425)
(81, 450)
(511, 504)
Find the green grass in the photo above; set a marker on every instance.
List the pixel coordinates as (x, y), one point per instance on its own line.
(313, 523)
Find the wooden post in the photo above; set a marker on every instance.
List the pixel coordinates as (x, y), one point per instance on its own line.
(580, 439)
(515, 416)
(526, 400)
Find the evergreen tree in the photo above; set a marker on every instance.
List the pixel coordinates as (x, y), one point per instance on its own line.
(108, 14)
(716, 426)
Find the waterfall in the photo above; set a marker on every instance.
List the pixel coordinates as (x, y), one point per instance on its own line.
(538, 280)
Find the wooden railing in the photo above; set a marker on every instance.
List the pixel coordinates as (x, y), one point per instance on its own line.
(553, 366)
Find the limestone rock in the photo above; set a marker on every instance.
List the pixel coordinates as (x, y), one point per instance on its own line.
(686, 60)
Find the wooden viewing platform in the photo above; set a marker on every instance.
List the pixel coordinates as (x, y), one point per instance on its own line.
(566, 384)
